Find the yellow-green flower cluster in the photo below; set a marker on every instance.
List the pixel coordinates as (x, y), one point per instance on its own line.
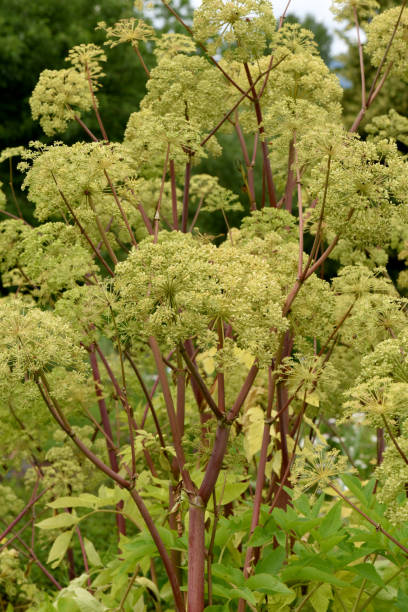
(57, 97)
(364, 185)
(127, 31)
(87, 58)
(177, 288)
(317, 467)
(379, 34)
(213, 196)
(392, 125)
(171, 44)
(149, 135)
(78, 171)
(33, 341)
(344, 10)
(189, 87)
(244, 27)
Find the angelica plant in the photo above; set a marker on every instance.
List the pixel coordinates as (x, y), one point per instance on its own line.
(186, 383)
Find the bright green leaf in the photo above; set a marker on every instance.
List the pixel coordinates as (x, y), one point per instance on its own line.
(320, 599)
(59, 521)
(267, 584)
(367, 571)
(306, 574)
(59, 548)
(92, 554)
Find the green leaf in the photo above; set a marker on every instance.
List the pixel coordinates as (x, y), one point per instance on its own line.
(229, 492)
(263, 534)
(231, 575)
(354, 486)
(265, 583)
(148, 584)
(302, 504)
(243, 593)
(315, 509)
(402, 601)
(326, 544)
(312, 574)
(59, 548)
(93, 557)
(141, 546)
(367, 571)
(59, 521)
(320, 599)
(332, 522)
(86, 500)
(80, 599)
(67, 604)
(221, 591)
(271, 562)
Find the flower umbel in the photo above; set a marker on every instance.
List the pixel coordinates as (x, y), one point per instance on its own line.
(316, 467)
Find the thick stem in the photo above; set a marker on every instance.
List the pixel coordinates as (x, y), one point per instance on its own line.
(103, 410)
(300, 210)
(260, 476)
(159, 201)
(186, 194)
(121, 210)
(196, 555)
(139, 55)
(181, 394)
(95, 106)
(360, 54)
(170, 570)
(262, 135)
(248, 163)
(290, 181)
(102, 231)
(201, 384)
(171, 413)
(83, 551)
(173, 194)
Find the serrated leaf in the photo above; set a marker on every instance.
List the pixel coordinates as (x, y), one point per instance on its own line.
(354, 486)
(332, 522)
(262, 536)
(367, 571)
(59, 521)
(327, 544)
(92, 554)
(271, 562)
(320, 599)
(265, 583)
(311, 574)
(59, 548)
(231, 575)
